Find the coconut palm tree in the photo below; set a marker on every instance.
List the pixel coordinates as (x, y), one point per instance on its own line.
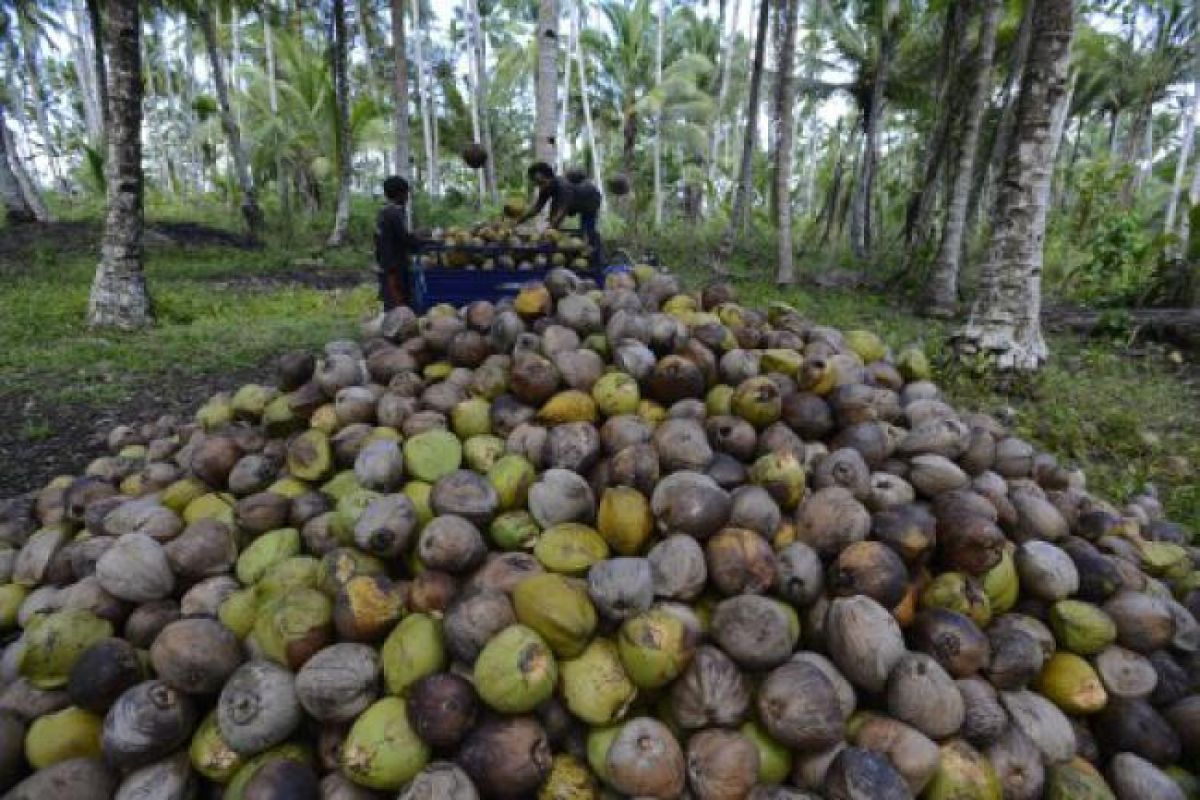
(942, 297)
(740, 217)
(545, 128)
(1004, 324)
(341, 95)
(119, 298)
(400, 91)
(16, 207)
(785, 96)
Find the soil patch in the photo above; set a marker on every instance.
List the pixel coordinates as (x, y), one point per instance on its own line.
(41, 440)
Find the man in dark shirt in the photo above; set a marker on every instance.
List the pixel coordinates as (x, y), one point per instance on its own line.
(568, 199)
(394, 245)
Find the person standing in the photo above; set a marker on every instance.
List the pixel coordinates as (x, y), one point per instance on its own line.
(568, 199)
(394, 245)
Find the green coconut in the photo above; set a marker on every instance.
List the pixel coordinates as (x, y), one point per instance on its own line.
(54, 642)
(382, 751)
(309, 456)
(181, 493)
(757, 401)
(12, 595)
(616, 393)
(599, 741)
(781, 474)
(265, 552)
(570, 548)
(569, 779)
(279, 419)
(570, 405)
(514, 530)
(1080, 627)
(249, 401)
(297, 572)
(1165, 559)
(217, 412)
(962, 774)
(914, 364)
(516, 671)
(558, 609)
(70, 733)
(413, 650)
(656, 647)
(625, 520)
(781, 360)
(1076, 780)
(349, 508)
(481, 452)
(341, 485)
(210, 506)
(419, 492)
(433, 454)
(511, 476)
(1002, 585)
(1070, 683)
(471, 418)
(292, 628)
(238, 611)
(719, 401)
(340, 566)
(774, 758)
(867, 345)
(211, 755)
(595, 686)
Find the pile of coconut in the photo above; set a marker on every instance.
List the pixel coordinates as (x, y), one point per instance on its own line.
(621, 542)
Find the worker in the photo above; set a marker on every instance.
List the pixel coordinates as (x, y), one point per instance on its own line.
(394, 245)
(568, 199)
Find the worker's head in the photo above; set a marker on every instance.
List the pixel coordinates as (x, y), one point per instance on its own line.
(541, 173)
(395, 189)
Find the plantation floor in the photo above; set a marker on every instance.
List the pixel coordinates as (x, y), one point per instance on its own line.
(1127, 415)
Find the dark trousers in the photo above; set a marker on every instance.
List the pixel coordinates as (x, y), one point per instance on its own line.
(393, 287)
(587, 224)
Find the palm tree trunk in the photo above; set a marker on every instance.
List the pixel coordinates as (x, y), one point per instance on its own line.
(920, 204)
(251, 212)
(740, 218)
(273, 99)
(341, 91)
(369, 40)
(479, 45)
(565, 150)
(29, 189)
(658, 122)
(235, 61)
(427, 118)
(860, 204)
(119, 298)
(96, 26)
(715, 134)
(1185, 219)
(1005, 324)
(545, 129)
(33, 74)
(400, 91)
(473, 105)
(942, 297)
(16, 208)
(585, 100)
(1185, 154)
(85, 65)
(994, 164)
(785, 103)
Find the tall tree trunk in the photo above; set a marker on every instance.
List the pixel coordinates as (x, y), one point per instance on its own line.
(85, 65)
(785, 97)
(119, 298)
(369, 46)
(998, 151)
(1185, 154)
(942, 297)
(739, 220)
(473, 105)
(341, 91)
(728, 34)
(658, 121)
(251, 213)
(428, 119)
(96, 26)
(920, 203)
(565, 150)
(479, 45)
(29, 189)
(860, 204)
(545, 129)
(1185, 219)
(1005, 324)
(16, 208)
(400, 92)
(1131, 149)
(235, 62)
(273, 98)
(585, 101)
(33, 74)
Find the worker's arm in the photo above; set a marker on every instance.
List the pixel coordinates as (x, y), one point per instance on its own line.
(557, 216)
(542, 198)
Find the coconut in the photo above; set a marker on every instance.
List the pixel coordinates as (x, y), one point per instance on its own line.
(508, 758)
(1134, 726)
(1144, 623)
(1018, 765)
(560, 495)
(382, 751)
(655, 647)
(690, 503)
(367, 607)
(922, 694)
(1046, 727)
(472, 620)
(678, 568)
(957, 644)
(1017, 658)
(740, 561)
(195, 655)
(53, 642)
(621, 587)
(147, 620)
(864, 641)
(62, 735)
(757, 632)
(452, 544)
(411, 651)
(721, 764)
(77, 778)
(830, 519)
(146, 723)
(645, 760)
(515, 671)
(258, 707)
(595, 686)
(857, 773)
(963, 772)
(339, 682)
(558, 610)
(914, 756)
(442, 709)
(570, 548)
(798, 704)
(102, 673)
(871, 569)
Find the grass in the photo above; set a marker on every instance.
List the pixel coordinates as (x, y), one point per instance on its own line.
(1126, 421)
